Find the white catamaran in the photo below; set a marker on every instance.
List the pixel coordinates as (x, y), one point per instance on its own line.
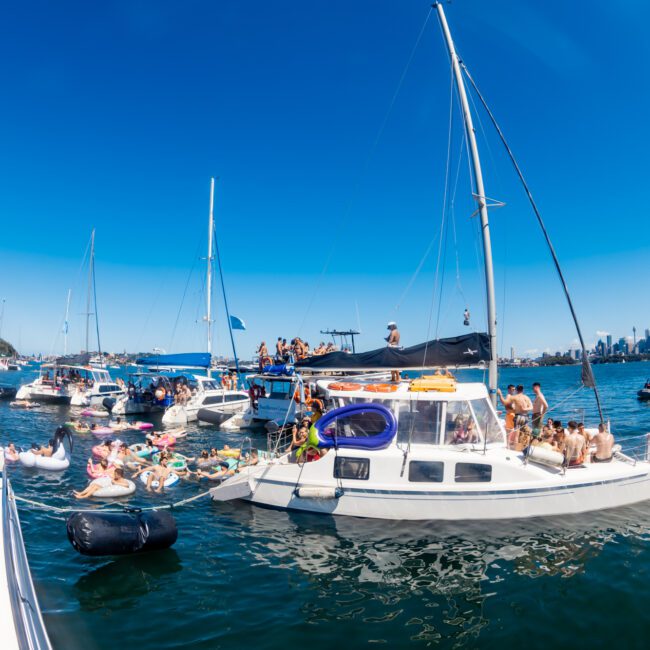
(432, 448)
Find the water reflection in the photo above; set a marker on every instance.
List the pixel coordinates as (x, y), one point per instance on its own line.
(432, 580)
(122, 582)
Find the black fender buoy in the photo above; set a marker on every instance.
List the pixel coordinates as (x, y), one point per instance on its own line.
(108, 403)
(121, 533)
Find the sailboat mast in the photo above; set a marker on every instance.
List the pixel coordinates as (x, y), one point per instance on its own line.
(65, 323)
(481, 202)
(209, 271)
(90, 288)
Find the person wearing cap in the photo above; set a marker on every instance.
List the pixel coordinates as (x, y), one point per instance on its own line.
(393, 337)
(393, 342)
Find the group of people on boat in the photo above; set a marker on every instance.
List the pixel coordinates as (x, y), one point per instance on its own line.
(574, 441)
(230, 380)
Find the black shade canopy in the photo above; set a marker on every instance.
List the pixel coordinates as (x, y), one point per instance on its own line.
(466, 350)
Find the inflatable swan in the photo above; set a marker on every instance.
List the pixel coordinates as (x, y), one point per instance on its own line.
(58, 461)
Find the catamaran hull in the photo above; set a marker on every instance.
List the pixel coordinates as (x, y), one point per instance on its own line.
(455, 505)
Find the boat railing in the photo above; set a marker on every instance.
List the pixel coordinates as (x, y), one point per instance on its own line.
(634, 449)
(28, 622)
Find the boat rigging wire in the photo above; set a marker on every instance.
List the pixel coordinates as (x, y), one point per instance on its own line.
(225, 299)
(355, 190)
(588, 378)
(180, 307)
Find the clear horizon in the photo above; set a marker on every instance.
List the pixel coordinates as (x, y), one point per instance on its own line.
(330, 187)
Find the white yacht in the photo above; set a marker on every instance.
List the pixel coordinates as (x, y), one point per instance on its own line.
(430, 455)
(94, 390)
(207, 394)
(68, 383)
(432, 448)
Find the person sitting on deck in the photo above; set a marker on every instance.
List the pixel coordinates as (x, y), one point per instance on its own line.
(575, 446)
(559, 439)
(298, 436)
(604, 442)
(102, 482)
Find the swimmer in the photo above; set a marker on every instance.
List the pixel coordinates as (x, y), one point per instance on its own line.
(11, 453)
(159, 473)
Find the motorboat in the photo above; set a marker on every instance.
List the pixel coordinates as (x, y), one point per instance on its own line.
(158, 392)
(77, 384)
(644, 394)
(433, 448)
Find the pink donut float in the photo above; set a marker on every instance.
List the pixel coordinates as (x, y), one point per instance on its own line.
(144, 426)
(100, 432)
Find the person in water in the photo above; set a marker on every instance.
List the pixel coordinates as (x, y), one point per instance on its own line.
(46, 451)
(159, 473)
(101, 483)
(102, 468)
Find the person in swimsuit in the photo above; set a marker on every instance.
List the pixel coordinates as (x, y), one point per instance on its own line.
(101, 483)
(575, 446)
(510, 414)
(604, 442)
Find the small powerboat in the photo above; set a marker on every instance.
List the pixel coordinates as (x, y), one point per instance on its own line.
(644, 394)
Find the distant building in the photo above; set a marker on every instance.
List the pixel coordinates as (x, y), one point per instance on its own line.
(609, 344)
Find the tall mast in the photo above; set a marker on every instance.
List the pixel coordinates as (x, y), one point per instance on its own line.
(480, 197)
(209, 271)
(65, 323)
(90, 288)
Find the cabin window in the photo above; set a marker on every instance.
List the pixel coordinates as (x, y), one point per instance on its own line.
(487, 421)
(353, 468)
(473, 473)
(460, 426)
(223, 399)
(279, 389)
(419, 422)
(424, 471)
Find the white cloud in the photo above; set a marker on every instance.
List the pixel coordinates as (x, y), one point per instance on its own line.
(600, 333)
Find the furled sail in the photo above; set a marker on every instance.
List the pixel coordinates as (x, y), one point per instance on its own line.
(466, 350)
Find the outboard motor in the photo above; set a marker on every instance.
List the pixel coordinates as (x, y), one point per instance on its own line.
(108, 403)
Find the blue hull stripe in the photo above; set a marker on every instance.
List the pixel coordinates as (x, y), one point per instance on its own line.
(629, 480)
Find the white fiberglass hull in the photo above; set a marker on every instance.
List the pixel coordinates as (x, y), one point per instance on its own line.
(213, 400)
(595, 487)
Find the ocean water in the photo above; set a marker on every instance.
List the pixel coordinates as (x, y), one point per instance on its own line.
(241, 576)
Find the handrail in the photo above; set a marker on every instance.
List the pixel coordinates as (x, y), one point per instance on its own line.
(28, 622)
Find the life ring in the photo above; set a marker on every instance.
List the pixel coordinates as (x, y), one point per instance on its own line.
(140, 449)
(306, 393)
(177, 461)
(381, 388)
(112, 490)
(317, 403)
(344, 385)
(172, 479)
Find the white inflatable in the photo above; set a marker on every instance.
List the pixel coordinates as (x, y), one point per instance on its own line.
(110, 491)
(538, 454)
(172, 479)
(57, 462)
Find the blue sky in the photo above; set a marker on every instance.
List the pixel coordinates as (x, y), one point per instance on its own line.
(115, 115)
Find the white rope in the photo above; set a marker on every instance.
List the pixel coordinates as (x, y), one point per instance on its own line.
(169, 506)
